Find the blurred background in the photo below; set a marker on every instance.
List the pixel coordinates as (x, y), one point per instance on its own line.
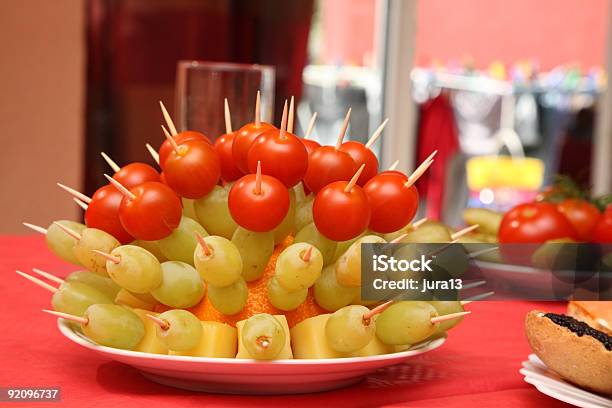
(511, 93)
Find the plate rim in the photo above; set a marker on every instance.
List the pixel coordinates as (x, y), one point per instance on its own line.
(67, 331)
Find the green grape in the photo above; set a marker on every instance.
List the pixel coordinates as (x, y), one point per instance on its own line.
(444, 308)
(75, 297)
(181, 285)
(230, 299)
(152, 247)
(343, 246)
(430, 232)
(263, 336)
(138, 270)
(213, 213)
(188, 208)
(311, 235)
(329, 294)
(113, 326)
(62, 244)
(179, 245)
(406, 322)
(283, 299)
(346, 329)
(348, 267)
(99, 282)
(255, 250)
(292, 272)
(92, 238)
(223, 266)
(300, 194)
(182, 332)
(303, 212)
(287, 226)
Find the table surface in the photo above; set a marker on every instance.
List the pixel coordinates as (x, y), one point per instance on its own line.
(477, 366)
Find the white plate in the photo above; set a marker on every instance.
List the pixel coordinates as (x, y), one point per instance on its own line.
(241, 376)
(549, 383)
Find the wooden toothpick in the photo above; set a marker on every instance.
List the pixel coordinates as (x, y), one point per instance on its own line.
(377, 134)
(283, 126)
(68, 231)
(258, 179)
(153, 152)
(343, 130)
(205, 247)
(75, 193)
(291, 116)
(450, 316)
(354, 179)
(73, 318)
(420, 170)
(36, 228)
(228, 117)
(110, 257)
(258, 109)
(47, 275)
(122, 189)
(170, 139)
(163, 324)
(38, 282)
(311, 125)
(464, 231)
(393, 166)
(168, 119)
(378, 309)
(307, 254)
(477, 297)
(111, 163)
(80, 203)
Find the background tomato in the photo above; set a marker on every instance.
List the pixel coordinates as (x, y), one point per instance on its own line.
(327, 165)
(602, 233)
(245, 136)
(134, 174)
(534, 223)
(362, 155)
(310, 145)
(393, 205)
(258, 211)
(341, 215)
(223, 147)
(103, 213)
(582, 215)
(152, 213)
(193, 170)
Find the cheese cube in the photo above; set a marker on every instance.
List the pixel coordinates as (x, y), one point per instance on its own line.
(308, 339)
(218, 340)
(150, 343)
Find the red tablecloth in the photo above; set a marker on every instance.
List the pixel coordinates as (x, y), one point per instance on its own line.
(478, 365)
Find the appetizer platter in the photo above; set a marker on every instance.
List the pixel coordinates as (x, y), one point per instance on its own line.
(243, 256)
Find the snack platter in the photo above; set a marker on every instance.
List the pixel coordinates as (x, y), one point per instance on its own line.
(237, 267)
(229, 375)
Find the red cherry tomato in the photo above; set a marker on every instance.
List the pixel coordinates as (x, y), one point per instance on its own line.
(396, 173)
(261, 211)
(534, 223)
(341, 215)
(245, 136)
(223, 146)
(362, 155)
(193, 170)
(393, 204)
(582, 215)
(602, 232)
(282, 156)
(310, 145)
(134, 174)
(103, 213)
(326, 165)
(181, 137)
(153, 213)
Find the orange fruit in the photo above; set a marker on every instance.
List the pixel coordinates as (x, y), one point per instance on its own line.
(257, 301)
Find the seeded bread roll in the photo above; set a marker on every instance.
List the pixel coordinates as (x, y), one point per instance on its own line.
(572, 349)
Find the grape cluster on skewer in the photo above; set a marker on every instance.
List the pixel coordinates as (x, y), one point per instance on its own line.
(262, 229)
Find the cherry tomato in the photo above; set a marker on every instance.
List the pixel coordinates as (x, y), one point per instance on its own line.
(341, 215)
(396, 173)
(258, 211)
(245, 136)
(393, 205)
(582, 215)
(534, 223)
(223, 146)
(103, 213)
(326, 165)
(602, 232)
(153, 213)
(134, 174)
(193, 169)
(362, 155)
(282, 155)
(310, 145)
(181, 137)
